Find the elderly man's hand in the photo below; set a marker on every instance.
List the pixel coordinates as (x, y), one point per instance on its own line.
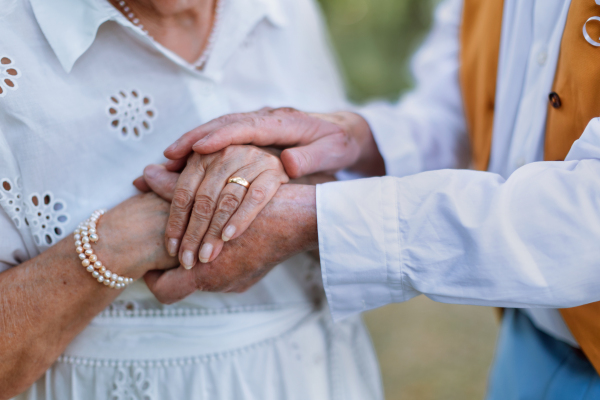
(285, 227)
(313, 142)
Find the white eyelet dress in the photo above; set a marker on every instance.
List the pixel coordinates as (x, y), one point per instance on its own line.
(82, 86)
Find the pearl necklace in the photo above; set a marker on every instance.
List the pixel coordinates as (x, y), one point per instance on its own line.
(199, 64)
(84, 236)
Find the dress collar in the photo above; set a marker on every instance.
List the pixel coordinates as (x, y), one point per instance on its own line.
(70, 26)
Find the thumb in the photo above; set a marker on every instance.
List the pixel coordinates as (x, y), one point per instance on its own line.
(330, 153)
(141, 185)
(171, 285)
(161, 181)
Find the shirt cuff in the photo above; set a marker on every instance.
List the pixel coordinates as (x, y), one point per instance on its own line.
(359, 244)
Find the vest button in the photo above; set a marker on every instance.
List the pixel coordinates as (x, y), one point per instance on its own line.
(555, 100)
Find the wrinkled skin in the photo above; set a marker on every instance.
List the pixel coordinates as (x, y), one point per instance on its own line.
(49, 299)
(204, 204)
(285, 227)
(313, 142)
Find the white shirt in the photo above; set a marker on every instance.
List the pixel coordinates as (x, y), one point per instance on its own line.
(88, 100)
(523, 235)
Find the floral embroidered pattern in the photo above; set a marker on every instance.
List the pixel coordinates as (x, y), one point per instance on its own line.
(8, 75)
(11, 199)
(46, 217)
(131, 114)
(131, 384)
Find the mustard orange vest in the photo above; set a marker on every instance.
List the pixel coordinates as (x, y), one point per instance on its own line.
(575, 101)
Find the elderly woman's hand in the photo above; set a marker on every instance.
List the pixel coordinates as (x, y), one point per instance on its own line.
(314, 142)
(285, 227)
(207, 210)
(131, 236)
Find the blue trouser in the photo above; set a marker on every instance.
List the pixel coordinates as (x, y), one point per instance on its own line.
(531, 365)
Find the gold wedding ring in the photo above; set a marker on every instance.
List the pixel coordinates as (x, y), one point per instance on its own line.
(239, 181)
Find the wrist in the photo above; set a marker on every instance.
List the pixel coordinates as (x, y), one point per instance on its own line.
(295, 206)
(369, 162)
(85, 236)
(112, 250)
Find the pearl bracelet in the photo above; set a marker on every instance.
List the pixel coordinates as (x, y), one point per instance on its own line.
(84, 235)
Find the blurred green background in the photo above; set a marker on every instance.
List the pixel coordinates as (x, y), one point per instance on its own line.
(427, 350)
(375, 39)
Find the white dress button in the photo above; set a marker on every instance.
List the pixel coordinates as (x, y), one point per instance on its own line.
(542, 57)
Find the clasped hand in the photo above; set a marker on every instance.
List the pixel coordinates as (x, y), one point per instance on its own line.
(206, 210)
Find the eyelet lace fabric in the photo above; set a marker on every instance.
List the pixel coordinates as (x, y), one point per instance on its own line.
(131, 114)
(46, 217)
(9, 74)
(11, 200)
(130, 383)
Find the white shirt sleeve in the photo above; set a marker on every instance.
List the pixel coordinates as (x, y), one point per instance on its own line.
(466, 237)
(12, 247)
(426, 130)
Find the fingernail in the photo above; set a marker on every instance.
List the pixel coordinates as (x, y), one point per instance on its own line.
(228, 233)
(205, 252)
(173, 146)
(188, 259)
(172, 247)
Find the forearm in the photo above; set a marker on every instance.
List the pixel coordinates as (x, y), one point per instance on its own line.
(463, 237)
(46, 302)
(49, 299)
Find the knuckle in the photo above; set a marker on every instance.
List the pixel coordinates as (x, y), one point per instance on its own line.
(252, 120)
(274, 162)
(182, 199)
(228, 118)
(342, 137)
(229, 203)
(258, 194)
(285, 110)
(230, 151)
(193, 160)
(203, 207)
(265, 110)
(251, 153)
